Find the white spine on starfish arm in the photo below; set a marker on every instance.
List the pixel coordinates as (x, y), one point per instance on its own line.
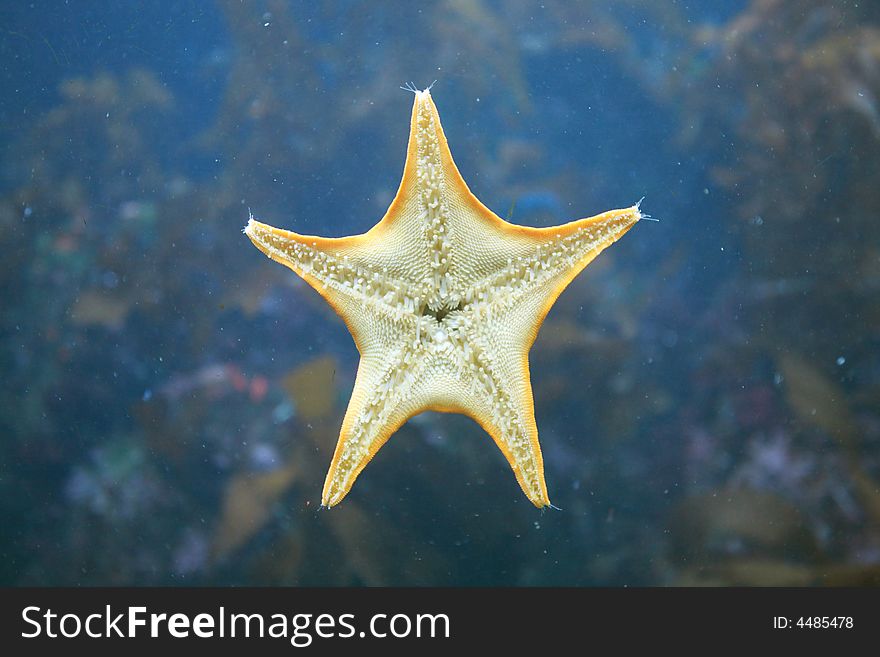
(412, 88)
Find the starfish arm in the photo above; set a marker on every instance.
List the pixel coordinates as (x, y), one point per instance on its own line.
(428, 158)
(359, 290)
(499, 399)
(557, 255)
(382, 400)
(435, 213)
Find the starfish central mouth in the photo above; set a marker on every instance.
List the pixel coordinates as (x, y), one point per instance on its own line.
(440, 313)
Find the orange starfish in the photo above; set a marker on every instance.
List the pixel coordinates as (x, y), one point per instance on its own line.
(444, 300)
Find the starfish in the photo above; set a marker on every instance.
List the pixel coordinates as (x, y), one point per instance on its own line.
(444, 300)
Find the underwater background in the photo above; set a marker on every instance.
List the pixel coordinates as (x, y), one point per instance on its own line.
(707, 392)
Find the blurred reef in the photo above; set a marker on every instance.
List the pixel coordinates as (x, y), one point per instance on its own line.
(707, 392)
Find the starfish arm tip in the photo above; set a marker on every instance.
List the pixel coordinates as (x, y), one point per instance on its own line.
(419, 93)
(642, 215)
(541, 501)
(328, 501)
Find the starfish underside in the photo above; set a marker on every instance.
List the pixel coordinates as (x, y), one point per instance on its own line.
(443, 299)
